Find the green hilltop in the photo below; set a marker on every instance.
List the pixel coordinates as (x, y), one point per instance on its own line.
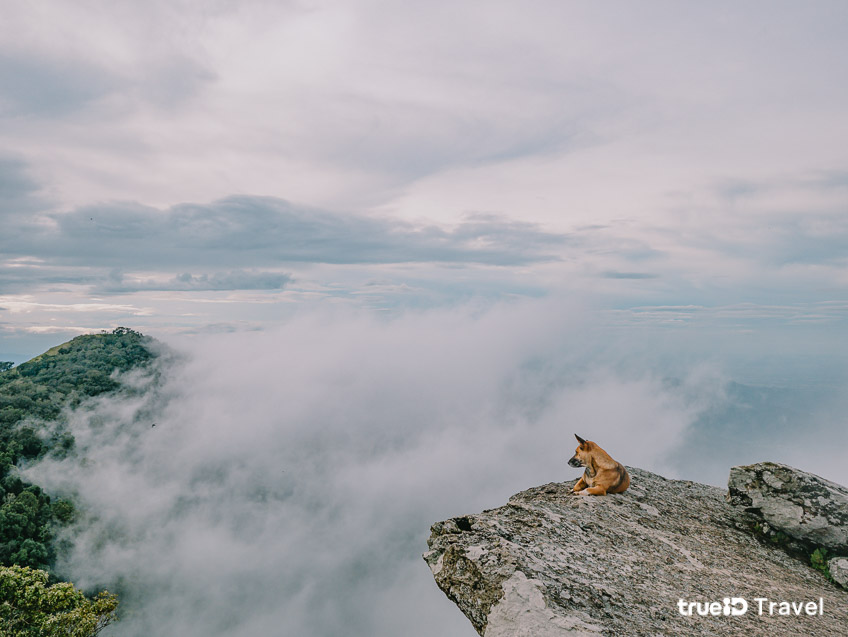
(37, 391)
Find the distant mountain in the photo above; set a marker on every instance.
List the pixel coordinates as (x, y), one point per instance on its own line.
(35, 393)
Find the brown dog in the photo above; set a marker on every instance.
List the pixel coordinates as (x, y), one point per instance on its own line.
(602, 475)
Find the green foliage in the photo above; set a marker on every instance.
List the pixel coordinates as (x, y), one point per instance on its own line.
(779, 537)
(38, 390)
(31, 608)
(68, 373)
(5, 366)
(818, 560)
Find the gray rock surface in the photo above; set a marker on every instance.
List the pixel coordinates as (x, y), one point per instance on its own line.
(804, 506)
(838, 567)
(549, 563)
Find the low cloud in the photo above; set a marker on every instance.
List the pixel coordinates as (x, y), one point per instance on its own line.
(292, 475)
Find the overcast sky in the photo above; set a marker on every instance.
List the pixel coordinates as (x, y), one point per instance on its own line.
(405, 250)
(185, 166)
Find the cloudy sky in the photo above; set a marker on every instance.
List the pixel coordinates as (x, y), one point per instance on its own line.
(399, 253)
(182, 166)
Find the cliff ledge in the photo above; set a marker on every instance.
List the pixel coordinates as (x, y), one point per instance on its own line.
(551, 563)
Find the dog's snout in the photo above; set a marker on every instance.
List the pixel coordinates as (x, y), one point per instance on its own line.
(574, 462)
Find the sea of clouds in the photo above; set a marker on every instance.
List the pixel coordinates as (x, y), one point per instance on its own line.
(289, 482)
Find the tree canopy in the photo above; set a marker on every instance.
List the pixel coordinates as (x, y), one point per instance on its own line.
(31, 608)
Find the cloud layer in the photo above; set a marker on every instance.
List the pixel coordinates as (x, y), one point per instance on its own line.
(205, 162)
(292, 475)
(245, 231)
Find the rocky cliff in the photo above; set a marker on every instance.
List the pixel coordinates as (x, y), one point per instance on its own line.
(667, 557)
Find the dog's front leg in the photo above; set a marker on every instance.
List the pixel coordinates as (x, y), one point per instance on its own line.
(596, 490)
(581, 484)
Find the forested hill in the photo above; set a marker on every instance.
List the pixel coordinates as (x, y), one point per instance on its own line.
(35, 392)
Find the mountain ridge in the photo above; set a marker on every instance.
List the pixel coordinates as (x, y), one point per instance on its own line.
(33, 397)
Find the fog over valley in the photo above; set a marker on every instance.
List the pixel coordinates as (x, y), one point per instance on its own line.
(292, 474)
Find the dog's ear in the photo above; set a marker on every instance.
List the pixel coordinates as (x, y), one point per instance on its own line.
(580, 440)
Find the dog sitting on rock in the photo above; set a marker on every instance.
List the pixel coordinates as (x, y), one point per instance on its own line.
(602, 475)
